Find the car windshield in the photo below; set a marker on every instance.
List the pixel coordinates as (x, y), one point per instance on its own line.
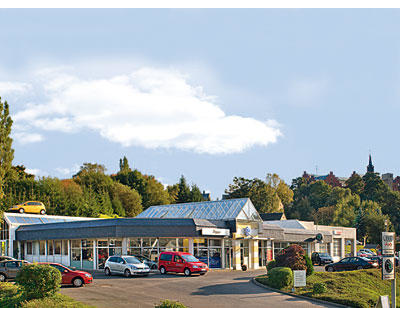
(131, 260)
(324, 254)
(189, 258)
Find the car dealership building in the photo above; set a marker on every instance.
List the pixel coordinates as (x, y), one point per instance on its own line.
(224, 234)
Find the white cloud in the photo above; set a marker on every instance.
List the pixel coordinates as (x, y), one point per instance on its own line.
(7, 87)
(68, 171)
(27, 138)
(36, 172)
(151, 108)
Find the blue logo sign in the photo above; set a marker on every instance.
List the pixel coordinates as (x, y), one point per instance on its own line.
(247, 231)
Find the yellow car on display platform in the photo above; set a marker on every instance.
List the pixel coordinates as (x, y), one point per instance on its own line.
(29, 207)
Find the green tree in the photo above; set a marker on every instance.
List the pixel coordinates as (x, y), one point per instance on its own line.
(355, 183)
(195, 194)
(184, 191)
(6, 150)
(268, 196)
(375, 189)
(128, 198)
(173, 191)
(264, 198)
(240, 188)
(154, 193)
(88, 167)
(124, 165)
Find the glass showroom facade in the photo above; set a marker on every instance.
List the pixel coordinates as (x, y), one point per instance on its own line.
(224, 234)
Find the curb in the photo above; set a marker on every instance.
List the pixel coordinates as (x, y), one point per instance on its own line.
(337, 305)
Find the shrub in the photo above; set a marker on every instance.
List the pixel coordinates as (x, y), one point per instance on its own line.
(319, 288)
(291, 257)
(170, 304)
(11, 295)
(309, 265)
(280, 277)
(271, 265)
(38, 281)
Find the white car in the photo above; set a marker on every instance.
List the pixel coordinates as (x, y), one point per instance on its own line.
(125, 265)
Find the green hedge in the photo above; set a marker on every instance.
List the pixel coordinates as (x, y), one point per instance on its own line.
(309, 265)
(280, 277)
(271, 265)
(11, 296)
(170, 304)
(38, 280)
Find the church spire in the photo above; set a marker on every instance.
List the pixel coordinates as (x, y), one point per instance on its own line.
(370, 167)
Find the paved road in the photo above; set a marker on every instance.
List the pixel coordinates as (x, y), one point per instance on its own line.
(215, 289)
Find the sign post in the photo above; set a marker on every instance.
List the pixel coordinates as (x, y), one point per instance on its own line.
(299, 278)
(388, 262)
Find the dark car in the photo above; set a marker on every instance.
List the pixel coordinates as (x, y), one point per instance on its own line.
(351, 263)
(10, 268)
(321, 258)
(152, 264)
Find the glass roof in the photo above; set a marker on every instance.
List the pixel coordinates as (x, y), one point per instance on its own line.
(212, 210)
(38, 219)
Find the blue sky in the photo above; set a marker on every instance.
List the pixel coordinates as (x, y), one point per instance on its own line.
(210, 94)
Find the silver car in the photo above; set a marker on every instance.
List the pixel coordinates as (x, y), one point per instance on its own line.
(126, 265)
(10, 268)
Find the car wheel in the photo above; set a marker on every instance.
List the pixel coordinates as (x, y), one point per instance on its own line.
(2, 278)
(330, 269)
(359, 268)
(42, 212)
(107, 272)
(186, 272)
(21, 210)
(127, 273)
(162, 270)
(78, 282)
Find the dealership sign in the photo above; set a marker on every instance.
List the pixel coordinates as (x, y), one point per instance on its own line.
(388, 268)
(215, 231)
(387, 243)
(299, 278)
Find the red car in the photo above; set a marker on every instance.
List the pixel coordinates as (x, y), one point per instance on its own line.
(75, 277)
(180, 262)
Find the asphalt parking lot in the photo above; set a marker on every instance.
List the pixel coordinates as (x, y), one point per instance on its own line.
(229, 289)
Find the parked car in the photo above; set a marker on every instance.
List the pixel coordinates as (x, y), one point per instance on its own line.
(10, 268)
(6, 258)
(29, 207)
(180, 262)
(351, 263)
(321, 258)
(364, 254)
(75, 277)
(378, 259)
(126, 265)
(150, 263)
(367, 251)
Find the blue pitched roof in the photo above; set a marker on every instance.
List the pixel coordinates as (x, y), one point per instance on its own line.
(211, 210)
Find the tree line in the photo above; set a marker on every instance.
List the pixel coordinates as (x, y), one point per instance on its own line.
(366, 203)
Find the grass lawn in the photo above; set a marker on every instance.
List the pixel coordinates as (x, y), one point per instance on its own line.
(360, 288)
(12, 296)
